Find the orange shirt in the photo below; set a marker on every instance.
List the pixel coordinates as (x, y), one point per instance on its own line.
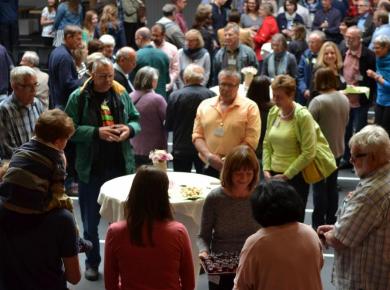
(222, 131)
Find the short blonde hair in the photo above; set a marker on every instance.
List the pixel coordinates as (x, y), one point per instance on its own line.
(198, 35)
(320, 58)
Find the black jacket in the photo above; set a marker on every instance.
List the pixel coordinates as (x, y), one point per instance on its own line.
(121, 78)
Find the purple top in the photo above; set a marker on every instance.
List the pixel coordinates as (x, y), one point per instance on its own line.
(152, 108)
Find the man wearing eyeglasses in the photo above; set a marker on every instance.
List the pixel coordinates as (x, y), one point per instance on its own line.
(224, 122)
(19, 111)
(361, 234)
(105, 120)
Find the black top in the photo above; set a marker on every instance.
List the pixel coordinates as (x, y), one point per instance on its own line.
(121, 78)
(181, 112)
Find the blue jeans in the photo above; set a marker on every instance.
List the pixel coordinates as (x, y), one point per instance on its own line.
(89, 208)
(357, 120)
(326, 200)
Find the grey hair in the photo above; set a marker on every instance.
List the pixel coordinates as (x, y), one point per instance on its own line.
(31, 57)
(280, 37)
(320, 34)
(71, 30)
(144, 33)
(99, 62)
(267, 7)
(382, 40)
(107, 39)
(373, 139)
(198, 36)
(18, 73)
(232, 26)
(229, 73)
(143, 80)
(124, 52)
(354, 27)
(193, 74)
(92, 58)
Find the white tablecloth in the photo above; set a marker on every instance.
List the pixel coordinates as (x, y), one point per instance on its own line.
(113, 195)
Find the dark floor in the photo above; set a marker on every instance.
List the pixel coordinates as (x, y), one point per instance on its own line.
(347, 182)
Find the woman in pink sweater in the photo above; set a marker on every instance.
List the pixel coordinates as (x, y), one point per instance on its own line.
(149, 250)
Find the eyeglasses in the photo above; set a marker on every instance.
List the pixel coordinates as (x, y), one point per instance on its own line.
(30, 86)
(358, 156)
(228, 85)
(105, 76)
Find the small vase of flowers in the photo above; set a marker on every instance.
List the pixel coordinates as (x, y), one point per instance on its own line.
(160, 158)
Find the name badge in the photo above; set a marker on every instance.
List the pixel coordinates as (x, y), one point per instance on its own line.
(232, 61)
(359, 77)
(219, 132)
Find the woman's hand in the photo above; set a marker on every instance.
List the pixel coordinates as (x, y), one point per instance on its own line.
(371, 73)
(203, 255)
(267, 176)
(280, 177)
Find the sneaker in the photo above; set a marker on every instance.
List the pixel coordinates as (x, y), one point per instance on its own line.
(91, 274)
(84, 245)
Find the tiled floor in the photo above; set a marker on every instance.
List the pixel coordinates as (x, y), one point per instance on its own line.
(347, 181)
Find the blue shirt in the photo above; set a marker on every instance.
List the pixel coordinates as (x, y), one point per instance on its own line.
(66, 17)
(381, 30)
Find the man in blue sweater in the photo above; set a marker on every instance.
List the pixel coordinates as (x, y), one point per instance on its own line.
(63, 78)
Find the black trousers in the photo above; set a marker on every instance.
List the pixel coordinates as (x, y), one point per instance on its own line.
(382, 117)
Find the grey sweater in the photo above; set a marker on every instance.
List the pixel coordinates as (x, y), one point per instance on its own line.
(226, 223)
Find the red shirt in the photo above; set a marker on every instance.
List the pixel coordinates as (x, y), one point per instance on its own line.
(264, 34)
(166, 266)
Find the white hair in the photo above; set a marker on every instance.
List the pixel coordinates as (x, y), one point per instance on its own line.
(18, 74)
(107, 39)
(31, 57)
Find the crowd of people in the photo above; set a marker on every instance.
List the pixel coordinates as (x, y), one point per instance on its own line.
(115, 87)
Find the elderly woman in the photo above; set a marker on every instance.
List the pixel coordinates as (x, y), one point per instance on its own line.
(332, 103)
(219, 232)
(329, 56)
(149, 247)
(284, 254)
(382, 77)
(152, 108)
(193, 52)
(289, 18)
(266, 30)
(280, 61)
(108, 46)
(290, 140)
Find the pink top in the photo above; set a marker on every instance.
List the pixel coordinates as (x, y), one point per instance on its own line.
(167, 265)
(281, 258)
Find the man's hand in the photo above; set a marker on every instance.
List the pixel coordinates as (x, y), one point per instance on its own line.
(267, 176)
(109, 134)
(203, 255)
(215, 161)
(321, 230)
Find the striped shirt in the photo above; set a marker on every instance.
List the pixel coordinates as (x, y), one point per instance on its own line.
(363, 226)
(17, 123)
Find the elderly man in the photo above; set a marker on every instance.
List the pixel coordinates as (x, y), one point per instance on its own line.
(173, 32)
(306, 64)
(365, 21)
(148, 55)
(328, 20)
(126, 59)
(234, 55)
(105, 119)
(31, 59)
(181, 112)
(63, 77)
(357, 60)
(158, 37)
(224, 122)
(19, 111)
(361, 234)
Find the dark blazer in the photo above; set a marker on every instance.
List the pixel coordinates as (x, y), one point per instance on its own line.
(367, 61)
(369, 28)
(121, 78)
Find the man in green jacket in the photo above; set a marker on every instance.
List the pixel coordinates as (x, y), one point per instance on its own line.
(105, 120)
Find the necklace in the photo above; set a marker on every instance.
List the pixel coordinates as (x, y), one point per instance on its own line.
(286, 117)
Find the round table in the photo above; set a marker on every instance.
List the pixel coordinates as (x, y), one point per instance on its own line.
(113, 195)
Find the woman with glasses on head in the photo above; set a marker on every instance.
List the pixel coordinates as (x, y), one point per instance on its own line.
(226, 217)
(149, 248)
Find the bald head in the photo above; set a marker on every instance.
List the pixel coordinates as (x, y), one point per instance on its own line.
(126, 58)
(353, 38)
(143, 37)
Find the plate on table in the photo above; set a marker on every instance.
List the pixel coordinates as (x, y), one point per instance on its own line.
(191, 192)
(221, 263)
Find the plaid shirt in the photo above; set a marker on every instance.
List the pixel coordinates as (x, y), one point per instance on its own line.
(363, 226)
(17, 123)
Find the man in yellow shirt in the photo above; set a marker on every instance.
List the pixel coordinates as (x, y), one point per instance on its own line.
(225, 121)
